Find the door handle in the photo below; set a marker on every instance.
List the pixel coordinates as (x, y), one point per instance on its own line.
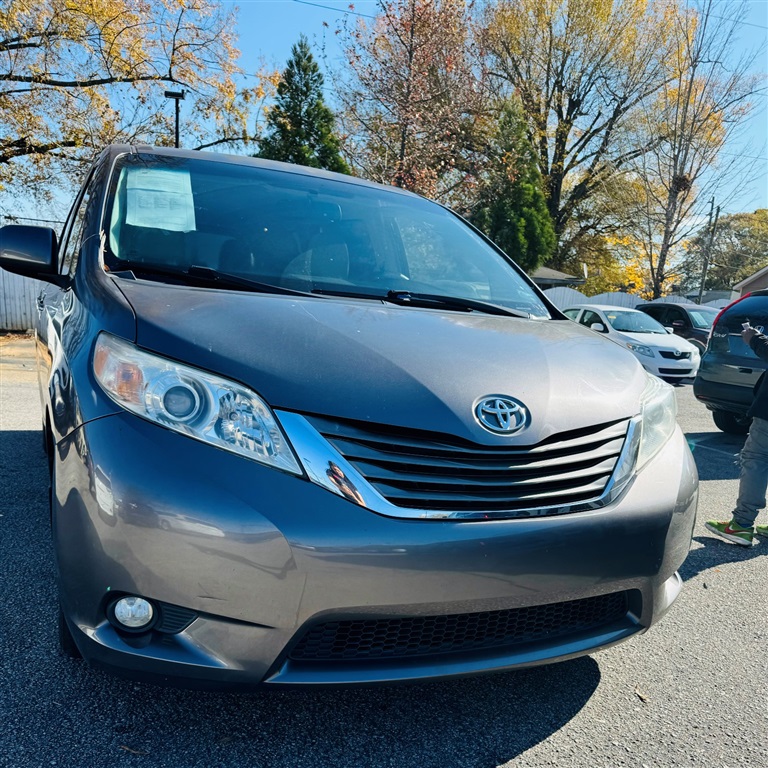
(745, 370)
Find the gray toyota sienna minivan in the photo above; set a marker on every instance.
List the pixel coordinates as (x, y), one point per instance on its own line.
(307, 429)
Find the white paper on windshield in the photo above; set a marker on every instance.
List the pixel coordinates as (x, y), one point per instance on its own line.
(161, 199)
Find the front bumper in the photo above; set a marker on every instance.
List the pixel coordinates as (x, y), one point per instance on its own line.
(257, 556)
(670, 368)
(717, 395)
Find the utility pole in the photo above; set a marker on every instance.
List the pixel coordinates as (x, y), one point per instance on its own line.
(708, 247)
(177, 96)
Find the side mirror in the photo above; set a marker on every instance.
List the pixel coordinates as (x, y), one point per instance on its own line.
(30, 251)
(668, 329)
(599, 327)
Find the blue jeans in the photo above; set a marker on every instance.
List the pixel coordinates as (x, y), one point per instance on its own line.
(754, 474)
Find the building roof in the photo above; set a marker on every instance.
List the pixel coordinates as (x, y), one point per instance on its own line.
(551, 277)
(743, 283)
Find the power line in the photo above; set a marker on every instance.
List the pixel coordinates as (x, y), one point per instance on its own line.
(345, 11)
(330, 8)
(736, 21)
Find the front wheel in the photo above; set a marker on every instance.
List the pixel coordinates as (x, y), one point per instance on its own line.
(732, 423)
(699, 345)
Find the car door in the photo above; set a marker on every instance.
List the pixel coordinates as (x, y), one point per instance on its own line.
(55, 304)
(677, 319)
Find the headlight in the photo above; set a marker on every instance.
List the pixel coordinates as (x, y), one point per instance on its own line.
(648, 432)
(641, 349)
(658, 413)
(197, 404)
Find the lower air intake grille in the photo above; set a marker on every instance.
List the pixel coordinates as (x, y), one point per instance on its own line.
(361, 639)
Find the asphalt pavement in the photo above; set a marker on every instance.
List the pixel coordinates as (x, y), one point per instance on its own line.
(690, 692)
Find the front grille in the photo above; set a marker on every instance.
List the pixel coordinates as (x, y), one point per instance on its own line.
(435, 471)
(675, 371)
(361, 639)
(674, 355)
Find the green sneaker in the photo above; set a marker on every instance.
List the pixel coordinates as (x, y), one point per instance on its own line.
(762, 530)
(731, 531)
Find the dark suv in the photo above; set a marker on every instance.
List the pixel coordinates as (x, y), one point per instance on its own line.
(690, 321)
(729, 368)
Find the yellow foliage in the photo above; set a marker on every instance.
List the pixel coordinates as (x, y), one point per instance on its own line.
(83, 73)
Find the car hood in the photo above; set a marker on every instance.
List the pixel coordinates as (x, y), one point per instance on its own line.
(405, 366)
(658, 340)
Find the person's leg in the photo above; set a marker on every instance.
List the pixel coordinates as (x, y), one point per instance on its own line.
(754, 475)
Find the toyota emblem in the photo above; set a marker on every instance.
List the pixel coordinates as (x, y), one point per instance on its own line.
(501, 414)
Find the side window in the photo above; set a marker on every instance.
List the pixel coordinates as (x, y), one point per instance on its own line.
(571, 313)
(590, 317)
(676, 314)
(70, 246)
(657, 313)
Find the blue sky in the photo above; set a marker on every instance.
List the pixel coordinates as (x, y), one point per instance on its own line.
(268, 28)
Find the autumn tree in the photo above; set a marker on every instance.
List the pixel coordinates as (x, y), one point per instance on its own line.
(695, 113)
(510, 205)
(412, 95)
(739, 249)
(300, 127)
(75, 76)
(582, 69)
(610, 263)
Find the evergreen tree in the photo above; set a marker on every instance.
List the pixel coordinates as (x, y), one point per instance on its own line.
(511, 207)
(300, 127)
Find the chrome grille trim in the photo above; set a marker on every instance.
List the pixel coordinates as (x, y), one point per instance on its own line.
(412, 474)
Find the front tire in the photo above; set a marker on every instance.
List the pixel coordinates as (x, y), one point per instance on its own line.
(732, 423)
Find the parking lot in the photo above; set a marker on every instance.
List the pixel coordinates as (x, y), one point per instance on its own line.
(691, 692)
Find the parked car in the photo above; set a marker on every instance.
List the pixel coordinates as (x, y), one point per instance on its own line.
(372, 449)
(729, 368)
(660, 352)
(691, 321)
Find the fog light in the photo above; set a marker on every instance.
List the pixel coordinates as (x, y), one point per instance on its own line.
(133, 612)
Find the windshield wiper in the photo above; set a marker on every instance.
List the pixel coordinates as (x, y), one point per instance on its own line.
(207, 274)
(409, 298)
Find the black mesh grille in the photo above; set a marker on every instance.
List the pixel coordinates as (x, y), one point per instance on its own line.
(361, 639)
(434, 471)
(174, 619)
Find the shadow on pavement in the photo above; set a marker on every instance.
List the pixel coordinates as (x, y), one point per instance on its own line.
(718, 552)
(473, 723)
(716, 454)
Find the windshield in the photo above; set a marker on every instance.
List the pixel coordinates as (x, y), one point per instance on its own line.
(300, 232)
(633, 322)
(702, 318)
